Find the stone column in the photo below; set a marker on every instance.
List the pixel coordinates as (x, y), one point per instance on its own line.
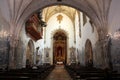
(35, 55)
(102, 51)
(99, 58)
(34, 58)
(13, 45)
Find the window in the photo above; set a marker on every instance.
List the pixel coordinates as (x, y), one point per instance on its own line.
(84, 19)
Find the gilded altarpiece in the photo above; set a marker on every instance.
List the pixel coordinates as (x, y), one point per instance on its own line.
(59, 48)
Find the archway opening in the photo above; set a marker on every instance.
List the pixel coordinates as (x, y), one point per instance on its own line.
(29, 54)
(55, 17)
(88, 54)
(59, 48)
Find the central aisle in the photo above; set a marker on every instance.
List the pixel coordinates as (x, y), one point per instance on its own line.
(59, 73)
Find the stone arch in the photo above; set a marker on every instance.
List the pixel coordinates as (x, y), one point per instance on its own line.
(59, 30)
(29, 54)
(84, 6)
(88, 53)
(24, 11)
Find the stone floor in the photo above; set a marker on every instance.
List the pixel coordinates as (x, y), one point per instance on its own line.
(59, 73)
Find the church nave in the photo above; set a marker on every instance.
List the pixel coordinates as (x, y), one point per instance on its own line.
(38, 37)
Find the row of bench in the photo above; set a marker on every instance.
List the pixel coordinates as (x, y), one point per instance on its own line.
(90, 73)
(27, 74)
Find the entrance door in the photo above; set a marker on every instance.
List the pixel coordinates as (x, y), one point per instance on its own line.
(59, 48)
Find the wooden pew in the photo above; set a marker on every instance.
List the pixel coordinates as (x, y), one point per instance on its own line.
(26, 74)
(85, 73)
(89, 73)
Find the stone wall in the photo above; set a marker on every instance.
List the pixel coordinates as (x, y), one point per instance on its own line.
(4, 42)
(3, 53)
(115, 51)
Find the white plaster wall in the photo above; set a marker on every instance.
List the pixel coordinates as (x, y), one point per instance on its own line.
(78, 40)
(86, 33)
(53, 25)
(25, 39)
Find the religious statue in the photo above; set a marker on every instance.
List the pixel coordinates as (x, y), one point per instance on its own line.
(47, 54)
(59, 52)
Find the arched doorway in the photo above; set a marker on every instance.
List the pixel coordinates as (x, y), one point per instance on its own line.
(29, 54)
(59, 47)
(88, 54)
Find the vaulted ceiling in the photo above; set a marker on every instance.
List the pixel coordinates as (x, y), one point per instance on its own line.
(20, 10)
(50, 11)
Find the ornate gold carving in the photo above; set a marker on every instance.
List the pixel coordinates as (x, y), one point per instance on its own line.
(59, 18)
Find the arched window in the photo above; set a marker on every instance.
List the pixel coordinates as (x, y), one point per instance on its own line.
(88, 53)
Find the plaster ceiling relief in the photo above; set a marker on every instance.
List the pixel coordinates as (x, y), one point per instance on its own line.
(50, 11)
(59, 18)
